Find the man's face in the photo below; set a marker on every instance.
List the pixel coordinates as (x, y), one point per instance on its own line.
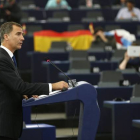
(58, 1)
(129, 6)
(15, 38)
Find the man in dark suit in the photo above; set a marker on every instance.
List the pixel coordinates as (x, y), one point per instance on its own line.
(12, 87)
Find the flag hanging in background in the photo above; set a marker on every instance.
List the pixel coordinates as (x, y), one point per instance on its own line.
(123, 38)
(79, 40)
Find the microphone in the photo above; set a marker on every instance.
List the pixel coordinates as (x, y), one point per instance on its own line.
(48, 60)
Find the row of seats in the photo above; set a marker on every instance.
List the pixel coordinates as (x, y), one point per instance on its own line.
(61, 27)
(83, 15)
(72, 27)
(77, 64)
(62, 47)
(74, 4)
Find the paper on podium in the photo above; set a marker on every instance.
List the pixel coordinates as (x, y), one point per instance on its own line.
(50, 94)
(81, 83)
(41, 96)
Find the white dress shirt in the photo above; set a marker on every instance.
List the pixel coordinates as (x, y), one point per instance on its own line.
(11, 55)
(124, 13)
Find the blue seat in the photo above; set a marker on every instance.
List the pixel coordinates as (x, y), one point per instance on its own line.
(38, 132)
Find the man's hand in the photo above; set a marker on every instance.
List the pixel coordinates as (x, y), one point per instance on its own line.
(35, 96)
(59, 85)
(25, 97)
(126, 57)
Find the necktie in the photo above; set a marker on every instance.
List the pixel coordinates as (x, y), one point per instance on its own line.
(14, 59)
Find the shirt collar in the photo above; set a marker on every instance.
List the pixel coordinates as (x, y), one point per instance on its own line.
(8, 51)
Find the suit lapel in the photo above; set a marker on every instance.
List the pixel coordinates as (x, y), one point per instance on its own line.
(10, 60)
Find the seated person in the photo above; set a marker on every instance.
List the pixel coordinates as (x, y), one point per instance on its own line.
(87, 3)
(11, 11)
(122, 3)
(99, 38)
(130, 62)
(129, 12)
(60, 4)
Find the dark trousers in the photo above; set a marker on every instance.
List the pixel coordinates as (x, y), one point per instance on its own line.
(5, 138)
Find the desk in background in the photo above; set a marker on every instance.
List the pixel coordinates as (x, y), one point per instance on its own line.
(63, 26)
(27, 50)
(94, 78)
(52, 74)
(36, 59)
(74, 14)
(122, 115)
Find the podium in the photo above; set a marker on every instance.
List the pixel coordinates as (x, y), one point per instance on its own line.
(89, 110)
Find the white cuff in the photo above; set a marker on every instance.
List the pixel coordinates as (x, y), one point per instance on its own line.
(50, 88)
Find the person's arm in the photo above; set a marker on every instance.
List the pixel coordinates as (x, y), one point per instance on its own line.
(136, 15)
(102, 36)
(123, 64)
(119, 15)
(9, 78)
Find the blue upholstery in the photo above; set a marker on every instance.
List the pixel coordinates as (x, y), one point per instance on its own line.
(38, 132)
(122, 115)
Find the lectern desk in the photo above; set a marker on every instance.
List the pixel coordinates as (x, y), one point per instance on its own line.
(89, 110)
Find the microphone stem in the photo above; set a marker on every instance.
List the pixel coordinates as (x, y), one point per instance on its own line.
(63, 73)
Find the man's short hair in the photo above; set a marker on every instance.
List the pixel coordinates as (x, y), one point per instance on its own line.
(7, 28)
(130, 1)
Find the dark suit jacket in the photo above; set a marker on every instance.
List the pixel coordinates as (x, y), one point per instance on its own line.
(12, 88)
